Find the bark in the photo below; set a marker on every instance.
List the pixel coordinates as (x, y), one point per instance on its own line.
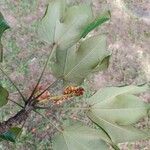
(16, 120)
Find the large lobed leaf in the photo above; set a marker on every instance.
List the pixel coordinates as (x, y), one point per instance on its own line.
(3, 26)
(79, 137)
(115, 109)
(123, 109)
(90, 56)
(119, 134)
(3, 96)
(65, 25)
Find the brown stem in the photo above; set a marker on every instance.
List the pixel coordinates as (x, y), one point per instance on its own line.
(15, 103)
(17, 119)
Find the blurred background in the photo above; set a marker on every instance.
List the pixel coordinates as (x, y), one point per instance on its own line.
(24, 55)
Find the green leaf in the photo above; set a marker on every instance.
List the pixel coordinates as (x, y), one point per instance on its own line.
(3, 96)
(79, 137)
(119, 134)
(78, 62)
(63, 24)
(3, 26)
(111, 92)
(97, 22)
(11, 135)
(103, 65)
(49, 22)
(115, 108)
(123, 109)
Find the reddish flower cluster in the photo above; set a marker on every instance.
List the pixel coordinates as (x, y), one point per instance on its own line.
(68, 93)
(75, 91)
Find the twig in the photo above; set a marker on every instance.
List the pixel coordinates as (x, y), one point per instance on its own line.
(38, 82)
(38, 107)
(13, 84)
(16, 103)
(17, 119)
(49, 121)
(46, 89)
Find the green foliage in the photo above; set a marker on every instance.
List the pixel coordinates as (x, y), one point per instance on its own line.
(11, 135)
(81, 137)
(97, 22)
(82, 60)
(3, 96)
(111, 92)
(115, 109)
(65, 25)
(3, 26)
(119, 134)
(120, 109)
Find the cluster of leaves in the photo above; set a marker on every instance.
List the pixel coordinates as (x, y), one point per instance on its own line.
(113, 110)
(65, 26)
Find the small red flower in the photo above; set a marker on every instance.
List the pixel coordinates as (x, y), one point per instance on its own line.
(75, 91)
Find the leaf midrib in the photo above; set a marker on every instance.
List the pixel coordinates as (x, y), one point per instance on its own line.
(59, 41)
(80, 62)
